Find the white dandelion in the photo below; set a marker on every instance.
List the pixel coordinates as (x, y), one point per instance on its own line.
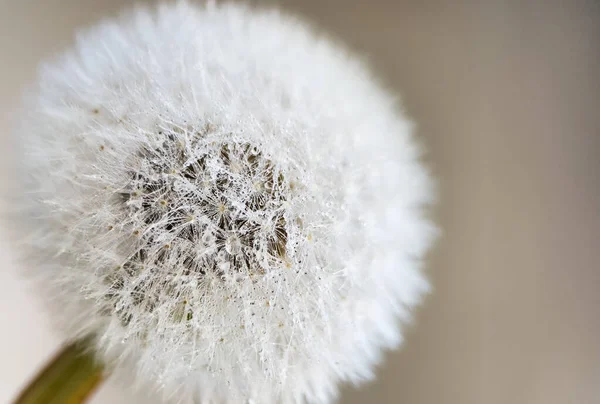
(227, 202)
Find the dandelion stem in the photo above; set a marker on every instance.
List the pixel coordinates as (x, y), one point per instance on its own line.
(69, 378)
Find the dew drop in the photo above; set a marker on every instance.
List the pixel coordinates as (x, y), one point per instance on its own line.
(233, 245)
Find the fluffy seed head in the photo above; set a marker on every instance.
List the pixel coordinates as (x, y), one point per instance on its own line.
(227, 202)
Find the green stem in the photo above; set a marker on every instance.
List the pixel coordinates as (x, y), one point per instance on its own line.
(69, 378)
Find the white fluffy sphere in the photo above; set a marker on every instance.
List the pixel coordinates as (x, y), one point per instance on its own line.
(227, 202)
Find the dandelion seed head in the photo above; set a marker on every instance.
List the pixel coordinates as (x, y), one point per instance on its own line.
(227, 202)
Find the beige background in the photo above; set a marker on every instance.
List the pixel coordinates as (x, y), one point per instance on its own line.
(507, 97)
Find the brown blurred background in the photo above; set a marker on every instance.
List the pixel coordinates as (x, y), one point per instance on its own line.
(506, 95)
